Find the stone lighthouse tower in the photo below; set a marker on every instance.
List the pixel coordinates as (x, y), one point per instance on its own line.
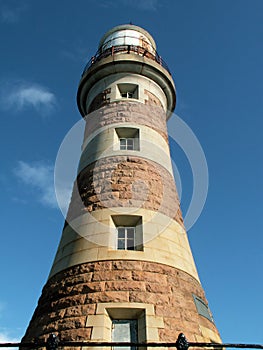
(124, 270)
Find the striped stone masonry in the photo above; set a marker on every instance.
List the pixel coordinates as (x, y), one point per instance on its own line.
(124, 252)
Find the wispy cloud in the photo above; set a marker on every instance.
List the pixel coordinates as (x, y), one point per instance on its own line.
(8, 16)
(39, 177)
(63, 194)
(76, 54)
(11, 12)
(144, 5)
(20, 95)
(9, 335)
(6, 338)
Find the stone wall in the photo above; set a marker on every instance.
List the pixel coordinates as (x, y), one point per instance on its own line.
(100, 100)
(127, 112)
(152, 99)
(71, 296)
(125, 181)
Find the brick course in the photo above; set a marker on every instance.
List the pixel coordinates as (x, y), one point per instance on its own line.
(66, 301)
(124, 181)
(152, 116)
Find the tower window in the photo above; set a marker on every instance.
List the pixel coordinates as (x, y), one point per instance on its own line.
(127, 143)
(127, 94)
(129, 235)
(128, 139)
(126, 90)
(125, 331)
(126, 238)
(125, 321)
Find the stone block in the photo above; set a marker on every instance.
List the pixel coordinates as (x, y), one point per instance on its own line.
(80, 334)
(125, 285)
(149, 277)
(158, 288)
(127, 265)
(107, 296)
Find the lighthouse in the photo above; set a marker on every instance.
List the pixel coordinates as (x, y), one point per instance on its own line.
(124, 270)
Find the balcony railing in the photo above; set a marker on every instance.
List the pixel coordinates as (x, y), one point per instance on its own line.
(129, 49)
(53, 343)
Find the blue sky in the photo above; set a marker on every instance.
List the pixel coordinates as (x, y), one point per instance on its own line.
(214, 50)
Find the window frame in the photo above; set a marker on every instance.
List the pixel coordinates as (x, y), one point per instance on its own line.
(127, 245)
(144, 313)
(128, 91)
(129, 135)
(126, 146)
(127, 222)
(133, 328)
(127, 94)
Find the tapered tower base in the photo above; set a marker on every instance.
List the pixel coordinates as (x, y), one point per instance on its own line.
(124, 268)
(78, 303)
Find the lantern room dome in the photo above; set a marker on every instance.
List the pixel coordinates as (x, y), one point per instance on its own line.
(127, 34)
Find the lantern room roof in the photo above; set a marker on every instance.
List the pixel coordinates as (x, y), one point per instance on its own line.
(123, 28)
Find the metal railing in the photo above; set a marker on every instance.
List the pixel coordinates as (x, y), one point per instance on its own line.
(53, 343)
(129, 49)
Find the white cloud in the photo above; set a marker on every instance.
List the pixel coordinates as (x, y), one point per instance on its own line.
(35, 96)
(40, 178)
(8, 335)
(6, 338)
(18, 96)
